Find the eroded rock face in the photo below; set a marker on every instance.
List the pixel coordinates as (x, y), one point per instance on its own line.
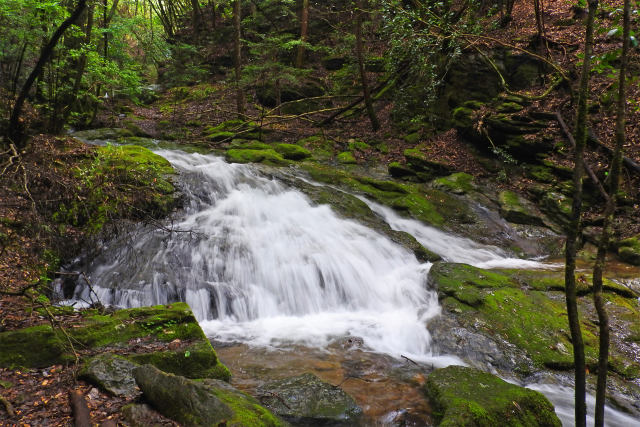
(200, 403)
(463, 396)
(307, 400)
(111, 373)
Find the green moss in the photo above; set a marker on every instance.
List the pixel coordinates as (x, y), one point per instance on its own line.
(120, 181)
(196, 361)
(541, 173)
(250, 145)
(464, 396)
(629, 250)
(221, 136)
(457, 183)
(346, 158)
(412, 138)
(509, 107)
(292, 152)
(526, 318)
(17, 348)
(517, 210)
(358, 145)
(269, 157)
(246, 410)
(463, 117)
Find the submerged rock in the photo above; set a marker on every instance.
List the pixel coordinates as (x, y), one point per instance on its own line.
(306, 400)
(463, 396)
(205, 403)
(111, 373)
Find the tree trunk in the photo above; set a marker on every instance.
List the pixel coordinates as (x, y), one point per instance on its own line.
(574, 226)
(375, 125)
(16, 132)
(237, 48)
(614, 180)
(304, 28)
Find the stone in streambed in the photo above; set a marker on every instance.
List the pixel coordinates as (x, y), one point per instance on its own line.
(629, 250)
(463, 396)
(200, 403)
(306, 400)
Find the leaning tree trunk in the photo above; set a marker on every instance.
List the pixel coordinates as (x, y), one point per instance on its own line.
(237, 48)
(16, 132)
(375, 125)
(614, 179)
(574, 226)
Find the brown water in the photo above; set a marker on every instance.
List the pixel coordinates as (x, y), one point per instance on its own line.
(388, 390)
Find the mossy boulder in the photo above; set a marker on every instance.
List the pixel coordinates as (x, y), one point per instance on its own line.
(205, 403)
(412, 138)
(306, 400)
(292, 151)
(249, 145)
(463, 396)
(267, 156)
(457, 183)
(346, 158)
(156, 325)
(515, 209)
(104, 134)
(496, 304)
(425, 168)
(629, 250)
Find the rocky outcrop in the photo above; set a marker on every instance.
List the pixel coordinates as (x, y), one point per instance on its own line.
(629, 250)
(306, 400)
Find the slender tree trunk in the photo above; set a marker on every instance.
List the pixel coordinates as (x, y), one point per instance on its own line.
(81, 66)
(237, 47)
(614, 180)
(375, 125)
(196, 18)
(304, 28)
(16, 132)
(574, 227)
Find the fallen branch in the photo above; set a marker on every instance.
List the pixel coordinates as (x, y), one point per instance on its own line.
(627, 162)
(8, 406)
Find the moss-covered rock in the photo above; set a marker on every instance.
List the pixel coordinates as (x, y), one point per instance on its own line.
(518, 210)
(346, 158)
(424, 167)
(292, 151)
(412, 138)
(160, 324)
(249, 145)
(104, 134)
(268, 156)
(629, 250)
(398, 170)
(206, 403)
(306, 400)
(463, 396)
(496, 303)
(457, 183)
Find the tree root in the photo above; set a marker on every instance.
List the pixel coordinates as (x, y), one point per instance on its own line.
(7, 406)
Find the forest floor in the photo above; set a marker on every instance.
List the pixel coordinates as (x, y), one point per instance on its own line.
(34, 181)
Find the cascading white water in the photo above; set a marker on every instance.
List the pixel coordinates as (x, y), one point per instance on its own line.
(453, 248)
(265, 266)
(258, 263)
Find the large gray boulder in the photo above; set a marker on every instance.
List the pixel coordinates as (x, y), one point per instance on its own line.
(306, 400)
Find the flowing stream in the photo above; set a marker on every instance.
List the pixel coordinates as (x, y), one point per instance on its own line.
(260, 264)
